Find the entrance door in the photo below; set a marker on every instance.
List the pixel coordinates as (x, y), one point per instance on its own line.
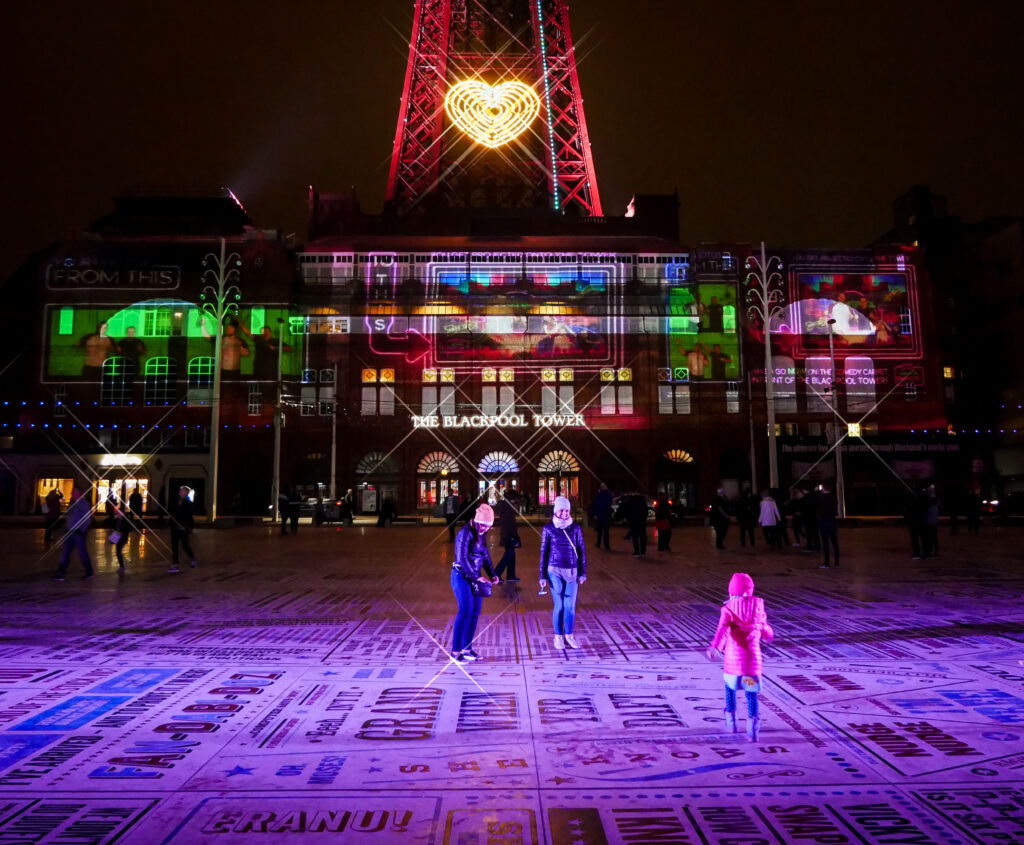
(496, 487)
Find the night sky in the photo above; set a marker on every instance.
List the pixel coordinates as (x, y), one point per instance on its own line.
(774, 121)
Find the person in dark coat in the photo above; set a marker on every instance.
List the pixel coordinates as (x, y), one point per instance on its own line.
(930, 532)
(601, 511)
(828, 507)
(809, 519)
(973, 512)
(913, 516)
(52, 516)
(720, 517)
(636, 518)
(76, 521)
(183, 520)
(747, 512)
(388, 513)
(663, 525)
(282, 510)
(123, 525)
(135, 508)
(563, 564)
(472, 560)
(506, 511)
(294, 503)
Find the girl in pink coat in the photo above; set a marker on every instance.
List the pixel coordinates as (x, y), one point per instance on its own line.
(741, 626)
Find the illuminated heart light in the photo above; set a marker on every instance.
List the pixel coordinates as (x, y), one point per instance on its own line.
(492, 115)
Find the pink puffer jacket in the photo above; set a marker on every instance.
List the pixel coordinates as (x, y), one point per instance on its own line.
(741, 626)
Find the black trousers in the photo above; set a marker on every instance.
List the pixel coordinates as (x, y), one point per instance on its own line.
(638, 533)
(179, 537)
(602, 526)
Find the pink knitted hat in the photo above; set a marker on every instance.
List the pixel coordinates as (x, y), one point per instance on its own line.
(741, 584)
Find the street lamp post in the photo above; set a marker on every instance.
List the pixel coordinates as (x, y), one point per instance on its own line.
(275, 493)
(764, 302)
(220, 297)
(836, 436)
(334, 436)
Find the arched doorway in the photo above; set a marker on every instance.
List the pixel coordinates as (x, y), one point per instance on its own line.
(558, 474)
(376, 479)
(437, 475)
(499, 473)
(676, 475)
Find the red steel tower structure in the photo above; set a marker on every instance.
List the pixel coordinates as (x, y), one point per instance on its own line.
(494, 45)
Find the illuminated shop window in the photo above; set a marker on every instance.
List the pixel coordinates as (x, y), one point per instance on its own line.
(307, 401)
(116, 381)
(447, 376)
(60, 400)
(732, 398)
(436, 473)
(326, 405)
(200, 380)
(387, 376)
(160, 378)
(948, 372)
(255, 404)
(430, 376)
(498, 462)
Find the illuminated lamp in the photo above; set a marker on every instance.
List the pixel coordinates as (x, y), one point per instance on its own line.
(853, 429)
(492, 115)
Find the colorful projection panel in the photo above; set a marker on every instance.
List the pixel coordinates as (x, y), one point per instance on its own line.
(703, 343)
(81, 338)
(872, 311)
(550, 337)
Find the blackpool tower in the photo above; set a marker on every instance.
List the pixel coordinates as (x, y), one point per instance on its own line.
(492, 114)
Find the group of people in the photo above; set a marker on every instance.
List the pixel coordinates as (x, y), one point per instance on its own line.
(810, 513)
(742, 624)
(78, 520)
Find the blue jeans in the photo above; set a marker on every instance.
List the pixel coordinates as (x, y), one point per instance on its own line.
(468, 614)
(74, 540)
(730, 702)
(564, 594)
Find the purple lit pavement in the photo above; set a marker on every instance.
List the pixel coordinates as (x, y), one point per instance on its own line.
(297, 689)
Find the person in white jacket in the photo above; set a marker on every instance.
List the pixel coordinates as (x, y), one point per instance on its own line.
(769, 520)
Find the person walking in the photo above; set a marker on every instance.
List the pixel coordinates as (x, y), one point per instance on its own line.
(720, 518)
(135, 508)
(76, 521)
(769, 520)
(663, 525)
(472, 559)
(827, 507)
(451, 514)
(747, 512)
(122, 529)
(182, 518)
(601, 511)
(294, 503)
(51, 516)
(506, 511)
(809, 518)
(282, 510)
(930, 539)
(742, 624)
(636, 518)
(563, 564)
(348, 507)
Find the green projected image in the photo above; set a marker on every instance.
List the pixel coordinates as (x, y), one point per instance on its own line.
(703, 344)
(165, 336)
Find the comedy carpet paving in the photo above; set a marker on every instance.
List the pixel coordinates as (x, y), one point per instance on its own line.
(298, 689)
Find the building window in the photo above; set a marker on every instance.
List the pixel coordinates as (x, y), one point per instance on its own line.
(489, 400)
(327, 376)
(368, 406)
(447, 400)
(673, 398)
(307, 401)
(906, 322)
(948, 372)
(255, 404)
(60, 400)
(910, 391)
(160, 377)
(156, 322)
(428, 400)
(732, 397)
(200, 381)
(309, 377)
(548, 399)
(326, 404)
(197, 438)
(116, 381)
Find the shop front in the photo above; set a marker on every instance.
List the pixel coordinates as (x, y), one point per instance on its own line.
(437, 476)
(377, 478)
(499, 474)
(676, 475)
(558, 474)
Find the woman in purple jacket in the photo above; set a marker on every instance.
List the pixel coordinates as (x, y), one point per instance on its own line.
(563, 563)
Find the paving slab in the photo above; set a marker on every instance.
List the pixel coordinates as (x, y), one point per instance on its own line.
(291, 689)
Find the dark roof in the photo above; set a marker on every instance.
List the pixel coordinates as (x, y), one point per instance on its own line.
(143, 216)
